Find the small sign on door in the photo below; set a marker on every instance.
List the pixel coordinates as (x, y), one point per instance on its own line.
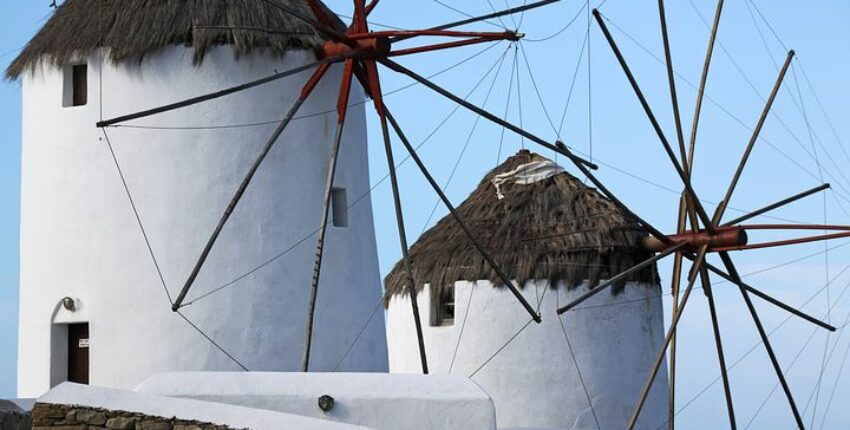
(84, 343)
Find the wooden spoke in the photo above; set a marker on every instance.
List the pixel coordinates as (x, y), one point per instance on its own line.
(659, 359)
(655, 125)
(702, 84)
(246, 181)
(342, 106)
(461, 222)
(756, 131)
(375, 86)
(727, 261)
(776, 205)
(622, 276)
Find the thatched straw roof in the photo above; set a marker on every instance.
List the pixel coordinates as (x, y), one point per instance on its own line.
(557, 229)
(132, 29)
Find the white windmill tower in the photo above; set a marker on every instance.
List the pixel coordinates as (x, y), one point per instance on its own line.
(92, 302)
(556, 238)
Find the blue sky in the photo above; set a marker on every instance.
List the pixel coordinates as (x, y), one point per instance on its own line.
(633, 163)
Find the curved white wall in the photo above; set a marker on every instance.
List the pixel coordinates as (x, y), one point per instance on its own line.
(534, 381)
(79, 237)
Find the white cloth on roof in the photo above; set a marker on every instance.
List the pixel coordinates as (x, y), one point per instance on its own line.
(526, 174)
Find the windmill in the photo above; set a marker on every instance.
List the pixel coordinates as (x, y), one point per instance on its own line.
(360, 51)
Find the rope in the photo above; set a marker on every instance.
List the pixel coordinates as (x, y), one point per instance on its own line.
(312, 115)
(730, 114)
(575, 362)
(798, 103)
(519, 95)
(136, 214)
(589, 88)
(563, 29)
(468, 139)
(463, 326)
(573, 84)
(499, 351)
(151, 253)
(359, 334)
(353, 204)
(214, 343)
(507, 105)
(754, 347)
(454, 9)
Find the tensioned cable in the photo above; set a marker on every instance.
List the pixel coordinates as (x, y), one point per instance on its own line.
(826, 256)
(575, 362)
(731, 115)
(569, 97)
(718, 282)
(805, 76)
(562, 29)
(589, 87)
(513, 18)
(358, 200)
(499, 351)
(463, 325)
(834, 386)
(753, 348)
(136, 214)
(151, 253)
(776, 115)
(498, 67)
(359, 334)
(456, 10)
(791, 365)
(750, 7)
(214, 343)
(537, 90)
(507, 105)
(572, 85)
(786, 371)
(797, 103)
(522, 15)
(264, 123)
(501, 21)
(727, 112)
(468, 140)
(519, 95)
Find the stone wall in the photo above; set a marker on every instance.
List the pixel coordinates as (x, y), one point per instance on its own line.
(62, 417)
(12, 420)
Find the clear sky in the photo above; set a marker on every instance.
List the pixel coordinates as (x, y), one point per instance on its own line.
(800, 149)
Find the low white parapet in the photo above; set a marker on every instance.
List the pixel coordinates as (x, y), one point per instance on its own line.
(184, 409)
(376, 400)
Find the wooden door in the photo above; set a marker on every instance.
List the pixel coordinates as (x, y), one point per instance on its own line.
(78, 353)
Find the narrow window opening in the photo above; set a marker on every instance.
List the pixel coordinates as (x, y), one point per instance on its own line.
(76, 85)
(339, 204)
(443, 308)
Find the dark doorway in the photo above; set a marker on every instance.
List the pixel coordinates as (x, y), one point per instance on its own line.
(78, 353)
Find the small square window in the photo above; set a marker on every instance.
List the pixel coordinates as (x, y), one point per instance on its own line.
(75, 92)
(339, 204)
(443, 308)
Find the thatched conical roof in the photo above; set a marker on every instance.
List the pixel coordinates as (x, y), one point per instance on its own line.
(132, 29)
(557, 229)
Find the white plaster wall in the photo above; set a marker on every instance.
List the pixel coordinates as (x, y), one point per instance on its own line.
(534, 381)
(379, 401)
(79, 236)
(184, 409)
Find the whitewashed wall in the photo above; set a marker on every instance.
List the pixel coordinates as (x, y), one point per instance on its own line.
(79, 236)
(378, 401)
(534, 381)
